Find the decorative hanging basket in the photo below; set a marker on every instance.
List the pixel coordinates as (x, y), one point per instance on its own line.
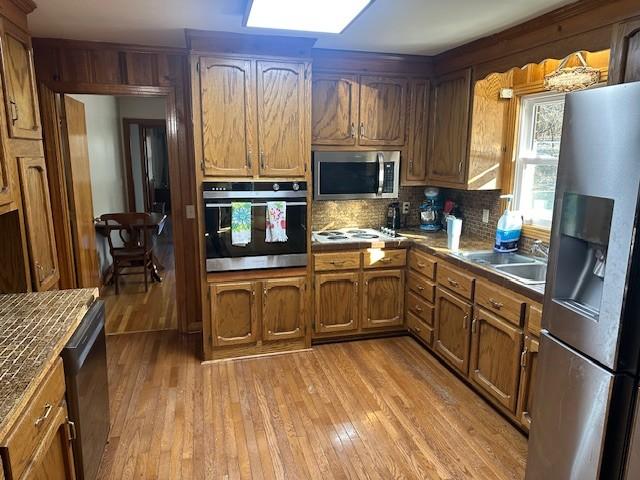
(568, 79)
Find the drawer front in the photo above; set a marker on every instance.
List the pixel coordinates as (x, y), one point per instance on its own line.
(420, 329)
(336, 261)
(456, 281)
(534, 324)
(497, 300)
(32, 426)
(377, 258)
(420, 308)
(424, 288)
(423, 264)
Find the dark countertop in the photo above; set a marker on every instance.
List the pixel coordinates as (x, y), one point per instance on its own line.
(436, 244)
(34, 328)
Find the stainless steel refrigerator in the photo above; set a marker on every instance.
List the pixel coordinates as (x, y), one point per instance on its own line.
(585, 414)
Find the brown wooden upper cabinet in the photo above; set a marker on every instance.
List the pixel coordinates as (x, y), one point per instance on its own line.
(254, 117)
(449, 129)
(21, 100)
(624, 63)
(40, 234)
(364, 110)
(414, 164)
(282, 117)
(334, 108)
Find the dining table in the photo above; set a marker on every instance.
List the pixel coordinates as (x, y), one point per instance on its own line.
(157, 224)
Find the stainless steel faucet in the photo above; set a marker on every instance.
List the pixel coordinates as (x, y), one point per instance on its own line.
(539, 250)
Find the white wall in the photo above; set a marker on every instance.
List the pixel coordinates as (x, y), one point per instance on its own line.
(105, 160)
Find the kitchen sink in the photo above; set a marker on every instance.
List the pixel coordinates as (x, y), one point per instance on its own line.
(495, 258)
(531, 273)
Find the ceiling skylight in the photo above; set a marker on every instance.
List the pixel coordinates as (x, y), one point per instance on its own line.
(328, 16)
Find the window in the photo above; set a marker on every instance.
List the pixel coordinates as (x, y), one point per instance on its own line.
(537, 156)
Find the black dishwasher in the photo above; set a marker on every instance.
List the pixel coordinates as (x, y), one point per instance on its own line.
(85, 369)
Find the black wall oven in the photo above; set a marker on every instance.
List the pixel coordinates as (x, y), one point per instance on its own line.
(223, 255)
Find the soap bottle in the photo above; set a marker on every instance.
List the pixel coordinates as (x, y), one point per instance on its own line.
(509, 229)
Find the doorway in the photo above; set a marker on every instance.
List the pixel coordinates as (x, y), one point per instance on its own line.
(128, 173)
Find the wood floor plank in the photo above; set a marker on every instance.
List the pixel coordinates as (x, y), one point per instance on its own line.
(375, 409)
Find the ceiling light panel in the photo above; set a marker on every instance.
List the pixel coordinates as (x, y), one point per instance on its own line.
(328, 16)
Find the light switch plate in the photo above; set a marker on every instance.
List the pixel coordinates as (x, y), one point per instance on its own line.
(190, 212)
(405, 207)
(485, 215)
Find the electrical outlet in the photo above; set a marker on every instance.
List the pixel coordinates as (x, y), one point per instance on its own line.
(405, 207)
(485, 215)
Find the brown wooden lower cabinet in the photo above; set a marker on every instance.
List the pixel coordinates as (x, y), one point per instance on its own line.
(337, 302)
(453, 329)
(244, 313)
(383, 298)
(284, 308)
(528, 366)
(234, 314)
(39, 445)
(495, 357)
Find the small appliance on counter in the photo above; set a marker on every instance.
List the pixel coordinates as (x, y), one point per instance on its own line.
(394, 216)
(431, 210)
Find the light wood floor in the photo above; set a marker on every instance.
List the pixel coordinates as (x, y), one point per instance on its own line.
(378, 409)
(135, 310)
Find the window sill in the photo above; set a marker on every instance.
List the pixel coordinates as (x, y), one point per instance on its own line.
(536, 232)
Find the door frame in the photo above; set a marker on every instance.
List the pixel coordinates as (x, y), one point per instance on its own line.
(128, 162)
(180, 172)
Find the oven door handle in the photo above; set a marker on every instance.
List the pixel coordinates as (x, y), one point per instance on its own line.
(380, 157)
(253, 204)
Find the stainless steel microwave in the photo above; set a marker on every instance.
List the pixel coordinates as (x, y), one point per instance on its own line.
(354, 175)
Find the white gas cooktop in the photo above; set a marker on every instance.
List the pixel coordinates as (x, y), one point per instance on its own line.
(354, 235)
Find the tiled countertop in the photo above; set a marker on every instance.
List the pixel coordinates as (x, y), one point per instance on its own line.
(436, 244)
(34, 327)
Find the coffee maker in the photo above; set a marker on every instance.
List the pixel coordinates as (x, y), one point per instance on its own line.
(393, 216)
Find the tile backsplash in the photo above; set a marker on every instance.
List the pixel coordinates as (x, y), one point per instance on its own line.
(364, 213)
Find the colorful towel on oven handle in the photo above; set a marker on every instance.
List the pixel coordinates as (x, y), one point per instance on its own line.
(276, 222)
(240, 223)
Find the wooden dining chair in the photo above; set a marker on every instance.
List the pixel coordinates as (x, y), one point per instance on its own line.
(129, 237)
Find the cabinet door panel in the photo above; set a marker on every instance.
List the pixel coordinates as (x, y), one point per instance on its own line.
(382, 110)
(40, 234)
(284, 308)
(233, 313)
(282, 118)
(624, 64)
(495, 358)
(227, 95)
(528, 367)
(334, 109)
(20, 86)
(383, 298)
(414, 166)
(453, 332)
(337, 302)
(449, 129)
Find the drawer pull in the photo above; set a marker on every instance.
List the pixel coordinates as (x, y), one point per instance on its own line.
(385, 260)
(473, 325)
(47, 411)
(497, 305)
(420, 287)
(73, 433)
(418, 329)
(418, 309)
(452, 282)
(421, 265)
(464, 321)
(337, 262)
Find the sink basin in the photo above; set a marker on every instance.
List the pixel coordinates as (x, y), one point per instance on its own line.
(495, 258)
(532, 273)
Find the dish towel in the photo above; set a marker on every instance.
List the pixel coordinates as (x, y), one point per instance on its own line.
(240, 223)
(276, 222)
